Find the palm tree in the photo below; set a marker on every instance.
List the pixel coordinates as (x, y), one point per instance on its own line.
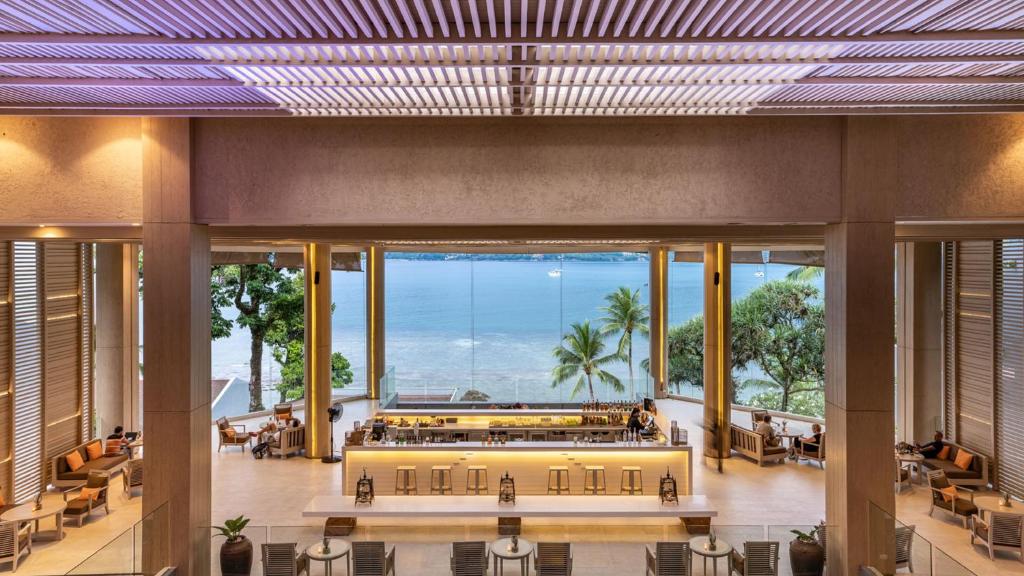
(805, 273)
(624, 313)
(580, 354)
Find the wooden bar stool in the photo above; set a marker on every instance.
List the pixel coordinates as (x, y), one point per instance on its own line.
(632, 481)
(594, 480)
(441, 479)
(405, 480)
(558, 474)
(473, 482)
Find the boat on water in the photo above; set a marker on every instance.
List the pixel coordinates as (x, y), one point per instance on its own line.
(759, 274)
(555, 273)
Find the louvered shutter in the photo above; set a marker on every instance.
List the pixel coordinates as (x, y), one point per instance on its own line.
(949, 338)
(5, 371)
(1009, 363)
(85, 343)
(28, 398)
(974, 346)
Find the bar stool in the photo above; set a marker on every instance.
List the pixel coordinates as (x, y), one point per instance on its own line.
(632, 481)
(558, 473)
(440, 479)
(405, 480)
(594, 480)
(473, 482)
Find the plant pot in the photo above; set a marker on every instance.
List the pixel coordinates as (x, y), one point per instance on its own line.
(806, 558)
(236, 557)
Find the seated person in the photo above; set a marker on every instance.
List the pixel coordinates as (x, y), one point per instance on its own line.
(267, 432)
(814, 438)
(765, 429)
(117, 443)
(933, 448)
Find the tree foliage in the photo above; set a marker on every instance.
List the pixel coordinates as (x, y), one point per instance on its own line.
(624, 315)
(581, 356)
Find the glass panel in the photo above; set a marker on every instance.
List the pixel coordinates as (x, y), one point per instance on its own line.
(686, 326)
(348, 331)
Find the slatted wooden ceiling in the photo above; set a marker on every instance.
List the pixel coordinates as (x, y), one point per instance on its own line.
(510, 57)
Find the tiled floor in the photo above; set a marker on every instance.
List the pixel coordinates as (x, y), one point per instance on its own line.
(272, 492)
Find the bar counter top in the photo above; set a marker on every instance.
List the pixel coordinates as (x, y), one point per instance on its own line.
(521, 446)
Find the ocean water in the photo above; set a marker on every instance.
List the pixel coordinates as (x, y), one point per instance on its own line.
(491, 326)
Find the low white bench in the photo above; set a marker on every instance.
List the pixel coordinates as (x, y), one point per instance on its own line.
(695, 511)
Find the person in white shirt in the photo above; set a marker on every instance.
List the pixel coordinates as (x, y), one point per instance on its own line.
(765, 429)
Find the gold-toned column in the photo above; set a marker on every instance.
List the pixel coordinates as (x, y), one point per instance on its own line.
(117, 337)
(176, 402)
(717, 350)
(318, 349)
(374, 320)
(659, 321)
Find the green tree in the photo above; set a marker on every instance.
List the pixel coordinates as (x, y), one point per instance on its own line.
(624, 314)
(581, 355)
(780, 326)
(263, 296)
(341, 370)
(686, 353)
(805, 273)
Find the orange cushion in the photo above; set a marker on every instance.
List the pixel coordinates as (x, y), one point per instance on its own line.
(2, 501)
(74, 460)
(90, 493)
(229, 432)
(114, 446)
(948, 493)
(94, 450)
(963, 459)
(944, 453)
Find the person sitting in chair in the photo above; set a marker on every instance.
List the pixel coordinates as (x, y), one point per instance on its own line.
(767, 432)
(933, 448)
(814, 438)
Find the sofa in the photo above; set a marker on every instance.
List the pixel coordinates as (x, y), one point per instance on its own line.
(288, 441)
(62, 476)
(975, 475)
(751, 445)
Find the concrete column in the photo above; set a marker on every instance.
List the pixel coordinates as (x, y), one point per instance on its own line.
(659, 321)
(374, 320)
(859, 312)
(177, 355)
(318, 349)
(717, 349)
(117, 337)
(918, 339)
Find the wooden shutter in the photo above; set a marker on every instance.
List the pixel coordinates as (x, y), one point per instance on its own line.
(1009, 365)
(5, 372)
(949, 338)
(85, 342)
(28, 382)
(974, 345)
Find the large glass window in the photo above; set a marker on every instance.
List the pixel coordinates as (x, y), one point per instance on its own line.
(686, 322)
(484, 328)
(348, 324)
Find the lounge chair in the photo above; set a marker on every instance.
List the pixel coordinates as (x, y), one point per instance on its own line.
(281, 559)
(15, 542)
(902, 478)
(812, 452)
(92, 495)
(751, 445)
(372, 559)
(669, 559)
(131, 476)
(960, 507)
(231, 434)
(905, 547)
(469, 558)
(1002, 530)
(552, 559)
(757, 559)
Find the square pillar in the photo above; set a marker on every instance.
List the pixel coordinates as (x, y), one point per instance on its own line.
(374, 320)
(658, 286)
(176, 403)
(117, 337)
(318, 349)
(717, 350)
(859, 312)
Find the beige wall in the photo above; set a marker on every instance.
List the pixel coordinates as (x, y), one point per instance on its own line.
(70, 170)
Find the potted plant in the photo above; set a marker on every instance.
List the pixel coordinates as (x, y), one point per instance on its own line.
(236, 552)
(806, 556)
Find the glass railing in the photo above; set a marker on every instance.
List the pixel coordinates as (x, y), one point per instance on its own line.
(388, 394)
(898, 546)
(134, 551)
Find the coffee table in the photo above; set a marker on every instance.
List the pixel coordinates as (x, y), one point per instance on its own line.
(991, 504)
(338, 548)
(699, 546)
(500, 551)
(26, 513)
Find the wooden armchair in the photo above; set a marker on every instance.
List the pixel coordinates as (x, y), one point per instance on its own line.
(757, 559)
(231, 434)
(131, 476)
(1001, 531)
(905, 547)
(756, 417)
(669, 559)
(902, 478)
(15, 542)
(962, 507)
(281, 559)
(288, 441)
(469, 558)
(92, 495)
(282, 413)
(812, 451)
(372, 559)
(552, 559)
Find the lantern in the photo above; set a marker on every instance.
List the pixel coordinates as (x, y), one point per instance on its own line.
(364, 489)
(667, 489)
(507, 490)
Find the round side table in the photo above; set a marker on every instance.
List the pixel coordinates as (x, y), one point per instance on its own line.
(499, 548)
(338, 548)
(699, 546)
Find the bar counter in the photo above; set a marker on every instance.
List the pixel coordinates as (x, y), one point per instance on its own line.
(526, 462)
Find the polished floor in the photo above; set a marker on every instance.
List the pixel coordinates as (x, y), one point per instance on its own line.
(754, 503)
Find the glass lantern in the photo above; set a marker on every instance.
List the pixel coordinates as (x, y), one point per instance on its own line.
(364, 489)
(667, 491)
(507, 490)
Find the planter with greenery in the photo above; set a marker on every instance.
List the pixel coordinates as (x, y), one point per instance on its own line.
(236, 552)
(806, 556)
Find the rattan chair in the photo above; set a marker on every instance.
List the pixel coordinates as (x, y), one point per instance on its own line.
(669, 559)
(372, 559)
(1002, 530)
(131, 476)
(905, 547)
(81, 506)
(552, 559)
(238, 437)
(281, 559)
(469, 558)
(958, 507)
(15, 542)
(757, 559)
